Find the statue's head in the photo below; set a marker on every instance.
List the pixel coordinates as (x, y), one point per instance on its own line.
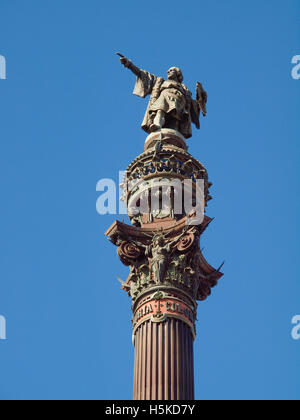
(159, 240)
(174, 73)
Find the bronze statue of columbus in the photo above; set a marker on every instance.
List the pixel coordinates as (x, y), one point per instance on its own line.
(171, 104)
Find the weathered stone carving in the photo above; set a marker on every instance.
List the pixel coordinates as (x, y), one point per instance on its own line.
(161, 259)
(159, 253)
(128, 252)
(156, 173)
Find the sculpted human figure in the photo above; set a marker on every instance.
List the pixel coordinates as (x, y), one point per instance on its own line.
(171, 104)
(159, 252)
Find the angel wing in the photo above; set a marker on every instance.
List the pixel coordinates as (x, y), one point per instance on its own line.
(124, 286)
(121, 281)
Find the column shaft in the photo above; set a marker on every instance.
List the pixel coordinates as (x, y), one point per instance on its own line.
(164, 365)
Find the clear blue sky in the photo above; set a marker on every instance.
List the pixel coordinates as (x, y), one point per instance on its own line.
(68, 119)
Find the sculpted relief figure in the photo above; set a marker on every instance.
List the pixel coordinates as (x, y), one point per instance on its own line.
(171, 104)
(159, 253)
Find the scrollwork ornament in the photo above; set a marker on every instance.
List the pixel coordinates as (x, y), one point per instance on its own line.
(128, 252)
(186, 242)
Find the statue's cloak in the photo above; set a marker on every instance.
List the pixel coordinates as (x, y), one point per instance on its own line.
(144, 86)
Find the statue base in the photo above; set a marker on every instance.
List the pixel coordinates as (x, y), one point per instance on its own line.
(166, 136)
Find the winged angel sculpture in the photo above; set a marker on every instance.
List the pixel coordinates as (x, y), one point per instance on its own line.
(171, 104)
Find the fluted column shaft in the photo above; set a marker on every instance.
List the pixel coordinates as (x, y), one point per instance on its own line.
(164, 361)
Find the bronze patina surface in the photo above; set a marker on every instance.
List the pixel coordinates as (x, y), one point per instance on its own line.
(171, 104)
